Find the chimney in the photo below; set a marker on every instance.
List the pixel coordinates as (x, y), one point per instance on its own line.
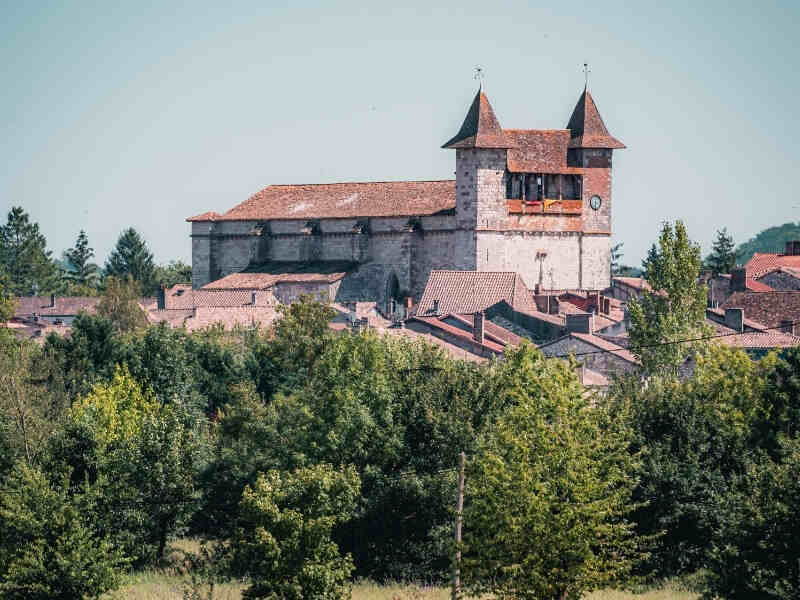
(792, 248)
(436, 307)
(580, 323)
(734, 318)
(254, 298)
(738, 280)
(52, 300)
(787, 326)
(161, 298)
(479, 329)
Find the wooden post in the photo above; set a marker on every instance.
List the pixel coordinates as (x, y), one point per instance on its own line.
(462, 459)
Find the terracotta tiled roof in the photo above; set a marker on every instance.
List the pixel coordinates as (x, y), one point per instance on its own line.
(757, 339)
(438, 323)
(206, 216)
(345, 200)
(756, 286)
(716, 316)
(464, 292)
(587, 128)
(480, 128)
(64, 305)
(492, 330)
(264, 276)
(769, 308)
(452, 349)
(762, 263)
(183, 297)
(637, 283)
(539, 151)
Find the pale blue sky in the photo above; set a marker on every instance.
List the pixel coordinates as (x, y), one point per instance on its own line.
(144, 113)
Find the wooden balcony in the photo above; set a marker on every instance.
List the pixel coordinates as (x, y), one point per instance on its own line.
(546, 207)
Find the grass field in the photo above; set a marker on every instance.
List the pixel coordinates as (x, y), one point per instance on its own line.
(154, 586)
(163, 585)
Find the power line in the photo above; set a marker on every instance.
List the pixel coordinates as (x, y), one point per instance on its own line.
(672, 342)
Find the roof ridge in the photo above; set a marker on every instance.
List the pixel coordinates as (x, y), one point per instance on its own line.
(358, 183)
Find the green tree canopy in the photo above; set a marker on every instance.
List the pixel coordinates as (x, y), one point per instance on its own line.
(120, 304)
(168, 275)
(674, 309)
(548, 492)
(81, 271)
(772, 239)
(50, 545)
(283, 541)
(132, 258)
(723, 254)
(24, 256)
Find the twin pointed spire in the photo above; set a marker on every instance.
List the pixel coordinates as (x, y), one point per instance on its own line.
(586, 126)
(481, 128)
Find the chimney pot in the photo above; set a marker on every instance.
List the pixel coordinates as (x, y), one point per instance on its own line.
(479, 327)
(161, 298)
(734, 318)
(436, 307)
(52, 300)
(738, 280)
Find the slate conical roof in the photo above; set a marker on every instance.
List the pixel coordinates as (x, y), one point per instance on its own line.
(586, 126)
(480, 128)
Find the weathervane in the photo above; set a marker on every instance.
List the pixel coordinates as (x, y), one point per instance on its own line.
(479, 76)
(586, 72)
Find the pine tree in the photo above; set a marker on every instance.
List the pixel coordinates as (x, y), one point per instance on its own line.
(723, 253)
(83, 272)
(24, 256)
(131, 257)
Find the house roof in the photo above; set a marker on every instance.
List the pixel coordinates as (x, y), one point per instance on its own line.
(637, 283)
(65, 306)
(182, 296)
(261, 277)
(716, 316)
(539, 151)
(586, 126)
(492, 330)
(481, 128)
(762, 263)
(343, 200)
(598, 343)
(756, 286)
(464, 292)
(440, 324)
(768, 308)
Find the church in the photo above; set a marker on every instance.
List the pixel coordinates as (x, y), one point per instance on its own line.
(534, 202)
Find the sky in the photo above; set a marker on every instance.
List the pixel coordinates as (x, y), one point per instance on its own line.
(141, 114)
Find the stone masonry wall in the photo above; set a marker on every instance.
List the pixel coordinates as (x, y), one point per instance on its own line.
(596, 262)
(603, 362)
(480, 188)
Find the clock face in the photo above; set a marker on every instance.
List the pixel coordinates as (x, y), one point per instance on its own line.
(595, 202)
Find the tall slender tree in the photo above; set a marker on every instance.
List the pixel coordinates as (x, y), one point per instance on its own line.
(83, 272)
(24, 256)
(616, 256)
(131, 257)
(673, 309)
(723, 253)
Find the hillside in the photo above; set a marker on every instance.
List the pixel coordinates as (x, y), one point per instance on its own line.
(772, 239)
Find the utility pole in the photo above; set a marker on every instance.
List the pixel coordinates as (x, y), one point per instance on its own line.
(462, 459)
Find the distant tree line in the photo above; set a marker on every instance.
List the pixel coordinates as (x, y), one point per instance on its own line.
(28, 267)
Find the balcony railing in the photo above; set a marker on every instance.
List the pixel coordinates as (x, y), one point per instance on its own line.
(545, 207)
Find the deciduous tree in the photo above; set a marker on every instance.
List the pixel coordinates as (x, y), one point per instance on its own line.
(120, 304)
(673, 310)
(548, 492)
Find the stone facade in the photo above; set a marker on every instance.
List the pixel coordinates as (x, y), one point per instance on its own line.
(393, 254)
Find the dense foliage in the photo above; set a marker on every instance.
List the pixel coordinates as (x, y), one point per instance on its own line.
(723, 255)
(549, 492)
(131, 258)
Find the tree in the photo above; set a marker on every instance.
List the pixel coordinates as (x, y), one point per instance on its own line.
(723, 255)
(49, 545)
(8, 305)
(695, 440)
(82, 272)
(673, 309)
(283, 542)
(120, 304)
(548, 492)
(24, 256)
(772, 239)
(756, 550)
(175, 272)
(616, 256)
(132, 258)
